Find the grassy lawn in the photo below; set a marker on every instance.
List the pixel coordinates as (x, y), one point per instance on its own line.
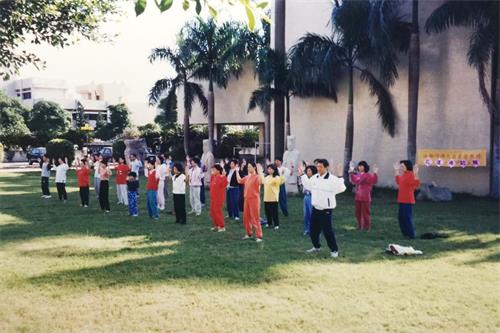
(64, 268)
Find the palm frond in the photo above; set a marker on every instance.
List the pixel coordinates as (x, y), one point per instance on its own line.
(197, 91)
(262, 98)
(386, 110)
(160, 87)
(460, 13)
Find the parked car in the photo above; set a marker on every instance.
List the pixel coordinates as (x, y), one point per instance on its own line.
(35, 154)
(106, 152)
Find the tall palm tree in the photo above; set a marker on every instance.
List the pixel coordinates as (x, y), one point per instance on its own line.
(365, 35)
(192, 90)
(273, 70)
(413, 83)
(218, 53)
(483, 18)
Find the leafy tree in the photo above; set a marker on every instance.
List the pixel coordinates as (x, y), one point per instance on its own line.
(53, 22)
(217, 53)
(254, 9)
(48, 120)
(483, 17)
(167, 116)
(57, 148)
(192, 90)
(150, 132)
(366, 35)
(119, 118)
(12, 124)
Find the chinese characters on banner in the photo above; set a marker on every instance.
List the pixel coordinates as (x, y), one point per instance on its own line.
(452, 158)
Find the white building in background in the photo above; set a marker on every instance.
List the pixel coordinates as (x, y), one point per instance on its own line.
(95, 98)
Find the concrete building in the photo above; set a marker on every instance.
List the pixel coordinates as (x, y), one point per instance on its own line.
(451, 112)
(95, 98)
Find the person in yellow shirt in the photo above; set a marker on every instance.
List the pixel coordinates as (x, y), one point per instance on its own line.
(272, 183)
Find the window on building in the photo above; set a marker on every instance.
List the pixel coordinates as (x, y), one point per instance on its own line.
(97, 97)
(18, 95)
(26, 89)
(27, 95)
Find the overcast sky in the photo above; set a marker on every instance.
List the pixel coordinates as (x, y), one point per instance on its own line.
(123, 60)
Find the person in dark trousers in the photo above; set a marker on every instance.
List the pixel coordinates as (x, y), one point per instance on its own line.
(271, 184)
(324, 187)
(284, 172)
(179, 181)
(233, 191)
(45, 176)
(83, 176)
(407, 180)
(104, 173)
(61, 172)
(132, 186)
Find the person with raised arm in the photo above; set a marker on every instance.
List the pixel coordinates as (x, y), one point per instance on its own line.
(324, 187)
(152, 176)
(104, 174)
(284, 172)
(122, 170)
(83, 176)
(406, 175)
(271, 183)
(364, 182)
(46, 166)
(218, 184)
(251, 211)
(305, 179)
(61, 171)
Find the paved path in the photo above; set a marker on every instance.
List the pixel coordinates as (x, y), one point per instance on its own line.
(18, 167)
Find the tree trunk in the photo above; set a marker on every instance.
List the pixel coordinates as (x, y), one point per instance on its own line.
(279, 103)
(267, 131)
(287, 131)
(186, 132)
(211, 114)
(495, 117)
(413, 84)
(349, 127)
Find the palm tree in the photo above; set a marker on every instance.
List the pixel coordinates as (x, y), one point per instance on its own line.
(218, 53)
(273, 70)
(484, 19)
(413, 83)
(365, 35)
(169, 86)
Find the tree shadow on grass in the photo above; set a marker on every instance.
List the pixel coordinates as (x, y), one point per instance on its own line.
(169, 252)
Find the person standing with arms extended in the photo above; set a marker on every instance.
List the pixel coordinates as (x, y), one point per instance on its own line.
(407, 180)
(251, 211)
(271, 184)
(324, 187)
(104, 174)
(45, 176)
(122, 171)
(284, 172)
(218, 184)
(233, 190)
(364, 181)
(83, 176)
(61, 171)
(194, 176)
(152, 177)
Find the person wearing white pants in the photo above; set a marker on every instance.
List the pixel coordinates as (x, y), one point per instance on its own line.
(163, 174)
(195, 175)
(122, 171)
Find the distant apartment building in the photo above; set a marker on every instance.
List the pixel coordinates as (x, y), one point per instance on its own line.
(95, 98)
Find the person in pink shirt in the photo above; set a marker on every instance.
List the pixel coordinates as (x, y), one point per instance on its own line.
(251, 210)
(364, 181)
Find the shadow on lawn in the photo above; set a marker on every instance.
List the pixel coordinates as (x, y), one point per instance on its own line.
(171, 252)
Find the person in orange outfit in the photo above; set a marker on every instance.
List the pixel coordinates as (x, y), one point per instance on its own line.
(218, 185)
(251, 209)
(406, 175)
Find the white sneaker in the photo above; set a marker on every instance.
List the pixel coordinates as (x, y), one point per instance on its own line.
(258, 240)
(246, 237)
(85, 206)
(313, 250)
(334, 254)
(276, 228)
(221, 230)
(236, 218)
(213, 229)
(48, 196)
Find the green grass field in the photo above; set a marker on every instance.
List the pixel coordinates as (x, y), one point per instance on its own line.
(64, 268)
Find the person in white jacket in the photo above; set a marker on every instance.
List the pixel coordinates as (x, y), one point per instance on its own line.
(324, 186)
(61, 170)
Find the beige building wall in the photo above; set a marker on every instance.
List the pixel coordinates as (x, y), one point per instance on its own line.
(451, 113)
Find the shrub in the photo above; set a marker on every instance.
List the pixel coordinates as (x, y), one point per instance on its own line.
(60, 148)
(76, 136)
(118, 149)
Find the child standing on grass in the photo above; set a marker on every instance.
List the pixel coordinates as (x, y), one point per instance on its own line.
(272, 183)
(251, 211)
(132, 186)
(122, 171)
(46, 167)
(83, 175)
(407, 180)
(306, 179)
(179, 193)
(104, 174)
(218, 184)
(152, 188)
(61, 171)
(364, 181)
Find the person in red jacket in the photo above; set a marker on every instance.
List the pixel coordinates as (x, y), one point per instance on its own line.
(83, 175)
(364, 181)
(218, 185)
(407, 180)
(122, 171)
(153, 178)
